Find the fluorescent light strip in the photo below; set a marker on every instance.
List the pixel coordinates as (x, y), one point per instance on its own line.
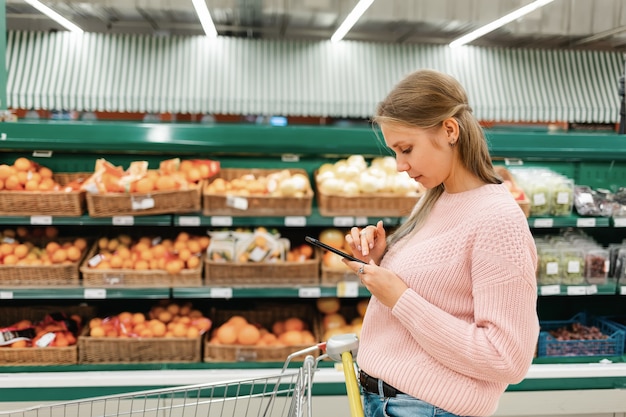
(205, 18)
(351, 19)
(54, 16)
(490, 27)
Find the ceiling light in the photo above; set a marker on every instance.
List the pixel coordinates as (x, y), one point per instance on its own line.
(54, 16)
(351, 19)
(489, 27)
(205, 18)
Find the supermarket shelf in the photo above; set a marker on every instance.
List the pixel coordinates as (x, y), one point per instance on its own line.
(81, 293)
(314, 219)
(194, 139)
(568, 221)
(343, 290)
(86, 220)
(610, 288)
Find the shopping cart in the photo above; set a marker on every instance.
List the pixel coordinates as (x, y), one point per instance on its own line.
(285, 393)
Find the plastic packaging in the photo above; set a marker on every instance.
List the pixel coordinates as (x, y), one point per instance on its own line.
(597, 265)
(549, 265)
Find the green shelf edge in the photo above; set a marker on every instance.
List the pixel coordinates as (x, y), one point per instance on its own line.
(220, 139)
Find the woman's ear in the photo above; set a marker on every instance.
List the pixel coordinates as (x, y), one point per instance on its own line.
(451, 127)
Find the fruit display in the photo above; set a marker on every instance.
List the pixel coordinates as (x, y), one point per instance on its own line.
(172, 174)
(166, 320)
(255, 245)
(352, 176)
(338, 319)
(27, 175)
(283, 183)
(237, 330)
(54, 252)
(580, 336)
(55, 330)
(172, 255)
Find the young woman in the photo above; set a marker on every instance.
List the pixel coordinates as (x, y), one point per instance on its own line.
(452, 318)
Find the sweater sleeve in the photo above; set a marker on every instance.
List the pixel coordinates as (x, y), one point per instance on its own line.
(498, 345)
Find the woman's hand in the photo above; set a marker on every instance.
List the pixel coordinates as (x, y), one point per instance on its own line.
(381, 282)
(368, 243)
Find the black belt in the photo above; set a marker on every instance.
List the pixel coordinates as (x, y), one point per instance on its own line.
(370, 384)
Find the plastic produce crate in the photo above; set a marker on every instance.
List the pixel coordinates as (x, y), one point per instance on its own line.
(551, 346)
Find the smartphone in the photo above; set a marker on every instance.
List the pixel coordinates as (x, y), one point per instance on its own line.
(316, 242)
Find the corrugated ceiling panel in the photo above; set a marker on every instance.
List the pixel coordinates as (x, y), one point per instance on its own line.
(242, 76)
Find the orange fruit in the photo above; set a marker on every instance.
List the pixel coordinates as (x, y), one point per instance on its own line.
(31, 185)
(80, 243)
(116, 261)
(248, 335)
(179, 330)
(59, 256)
(73, 253)
(294, 323)
(226, 334)
(97, 331)
(194, 246)
(12, 183)
(165, 316)
(5, 171)
(10, 260)
(45, 172)
(237, 321)
(22, 164)
(173, 308)
(19, 344)
(138, 318)
(291, 338)
(144, 185)
(21, 251)
(165, 183)
(174, 267)
(193, 262)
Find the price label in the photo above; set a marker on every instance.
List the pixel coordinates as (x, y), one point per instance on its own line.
(95, 293)
(295, 221)
(586, 222)
(289, 157)
(221, 293)
(592, 289)
(622, 290)
(42, 154)
(8, 295)
(343, 221)
(41, 220)
(619, 221)
(240, 203)
(550, 289)
(189, 220)
(538, 223)
(348, 289)
(310, 292)
(360, 221)
(123, 220)
(221, 221)
(577, 290)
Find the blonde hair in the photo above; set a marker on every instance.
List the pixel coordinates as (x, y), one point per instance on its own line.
(424, 99)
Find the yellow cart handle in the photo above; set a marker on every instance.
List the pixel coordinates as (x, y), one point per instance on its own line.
(352, 386)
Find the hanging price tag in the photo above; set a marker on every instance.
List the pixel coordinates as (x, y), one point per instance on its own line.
(295, 221)
(240, 203)
(189, 221)
(550, 289)
(41, 220)
(221, 293)
(142, 203)
(310, 292)
(95, 293)
(221, 221)
(348, 289)
(343, 221)
(123, 220)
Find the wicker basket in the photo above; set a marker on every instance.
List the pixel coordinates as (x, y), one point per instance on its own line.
(138, 350)
(379, 205)
(262, 273)
(45, 203)
(263, 315)
(107, 278)
(33, 356)
(40, 275)
(220, 205)
(135, 204)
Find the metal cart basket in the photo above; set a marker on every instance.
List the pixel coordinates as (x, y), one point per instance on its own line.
(284, 393)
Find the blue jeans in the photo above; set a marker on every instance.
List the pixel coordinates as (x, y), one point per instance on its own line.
(402, 405)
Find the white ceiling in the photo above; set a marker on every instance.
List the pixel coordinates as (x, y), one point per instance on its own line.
(572, 24)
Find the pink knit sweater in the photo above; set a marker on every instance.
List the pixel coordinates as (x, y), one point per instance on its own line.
(467, 326)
